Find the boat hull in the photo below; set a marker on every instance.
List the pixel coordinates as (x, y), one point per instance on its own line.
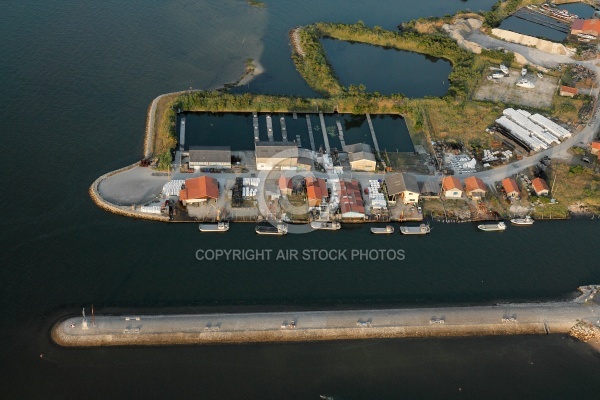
(415, 230)
(382, 231)
(492, 227)
(214, 227)
(326, 226)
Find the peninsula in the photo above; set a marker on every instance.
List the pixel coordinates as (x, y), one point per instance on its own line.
(494, 147)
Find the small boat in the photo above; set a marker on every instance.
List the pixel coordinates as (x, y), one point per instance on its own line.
(524, 72)
(500, 226)
(382, 231)
(415, 230)
(280, 229)
(326, 225)
(497, 75)
(504, 69)
(219, 227)
(525, 84)
(540, 75)
(522, 221)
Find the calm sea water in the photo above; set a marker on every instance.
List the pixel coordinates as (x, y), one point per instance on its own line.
(77, 78)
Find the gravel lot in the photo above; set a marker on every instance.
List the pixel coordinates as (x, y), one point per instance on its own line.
(506, 90)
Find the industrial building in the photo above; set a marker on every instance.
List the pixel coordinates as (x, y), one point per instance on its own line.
(402, 186)
(199, 190)
(276, 155)
(210, 157)
(361, 157)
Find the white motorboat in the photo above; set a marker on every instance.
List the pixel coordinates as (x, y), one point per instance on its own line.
(382, 231)
(326, 225)
(504, 69)
(540, 75)
(500, 226)
(279, 230)
(524, 83)
(523, 71)
(218, 227)
(422, 229)
(497, 75)
(527, 221)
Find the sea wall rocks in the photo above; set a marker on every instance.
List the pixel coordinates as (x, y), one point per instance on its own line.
(120, 210)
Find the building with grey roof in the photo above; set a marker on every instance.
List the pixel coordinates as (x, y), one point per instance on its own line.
(402, 186)
(210, 156)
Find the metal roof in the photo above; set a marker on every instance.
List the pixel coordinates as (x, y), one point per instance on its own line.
(401, 182)
(200, 154)
(358, 147)
(278, 149)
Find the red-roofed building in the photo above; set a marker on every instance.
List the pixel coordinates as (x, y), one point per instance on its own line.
(540, 187)
(351, 202)
(316, 191)
(452, 187)
(510, 187)
(199, 190)
(586, 27)
(595, 147)
(567, 91)
(475, 188)
(286, 185)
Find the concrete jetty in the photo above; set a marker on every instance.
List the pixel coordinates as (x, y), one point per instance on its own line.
(341, 134)
(373, 133)
(255, 123)
(310, 133)
(181, 138)
(298, 141)
(136, 329)
(270, 128)
(283, 129)
(324, 129)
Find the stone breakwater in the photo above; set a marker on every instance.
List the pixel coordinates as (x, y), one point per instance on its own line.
(127, 211)
(148, 330)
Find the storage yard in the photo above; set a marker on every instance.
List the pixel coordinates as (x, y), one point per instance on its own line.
(505, 90)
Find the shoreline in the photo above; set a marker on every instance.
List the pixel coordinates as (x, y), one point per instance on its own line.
(306, 326)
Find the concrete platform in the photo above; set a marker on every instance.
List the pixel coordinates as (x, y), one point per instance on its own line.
(149, 330)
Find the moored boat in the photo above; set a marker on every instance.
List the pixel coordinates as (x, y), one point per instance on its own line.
(422, 229)
(500, 226)
(218, 227)
(279, 230)
(326, 225)
(382, 231)
(527, 221)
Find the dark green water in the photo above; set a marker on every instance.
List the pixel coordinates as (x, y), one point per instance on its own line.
(224, 129)
(530, 28)
(77, 78)
(388, 71)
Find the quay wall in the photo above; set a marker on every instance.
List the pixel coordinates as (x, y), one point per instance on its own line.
(161, 330)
